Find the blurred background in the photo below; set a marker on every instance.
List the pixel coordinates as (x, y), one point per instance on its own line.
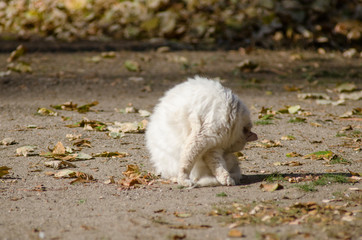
(201, 24)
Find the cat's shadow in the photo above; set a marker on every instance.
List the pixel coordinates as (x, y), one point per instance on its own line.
(256, 178)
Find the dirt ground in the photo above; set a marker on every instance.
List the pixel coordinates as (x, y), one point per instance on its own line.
(36, 205)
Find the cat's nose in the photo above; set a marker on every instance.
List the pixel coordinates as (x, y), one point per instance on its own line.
(251, 137)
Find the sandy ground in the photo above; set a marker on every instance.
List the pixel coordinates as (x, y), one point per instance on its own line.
(35, 205)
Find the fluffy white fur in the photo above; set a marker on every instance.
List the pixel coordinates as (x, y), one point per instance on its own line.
(194, 131)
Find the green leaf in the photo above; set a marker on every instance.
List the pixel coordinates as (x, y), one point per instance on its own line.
(86, 108)
(132, 66)
(320, 155)
(21, 67)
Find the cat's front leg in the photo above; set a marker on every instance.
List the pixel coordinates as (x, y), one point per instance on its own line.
(216, 162)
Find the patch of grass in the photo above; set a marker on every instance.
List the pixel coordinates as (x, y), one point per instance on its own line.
(267, 117)
(339, 160)
(297, 120)
(263, 122)
(356, 133)
(222, 194)
(322, 181)
(274, 177)
(306, 187)
(290, 137)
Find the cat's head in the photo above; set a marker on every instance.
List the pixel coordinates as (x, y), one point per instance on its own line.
(243, 129)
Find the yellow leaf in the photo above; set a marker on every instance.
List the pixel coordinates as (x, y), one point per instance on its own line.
(4, 170)
(234, 233)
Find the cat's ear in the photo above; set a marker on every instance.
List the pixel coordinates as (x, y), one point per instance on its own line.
(251, 137)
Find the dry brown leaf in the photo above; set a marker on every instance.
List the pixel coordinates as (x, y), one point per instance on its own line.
(354, 173)
(190, 226)
(270, 187)
(234, 233)
(182, 214)
(59, 148)
(4, 170)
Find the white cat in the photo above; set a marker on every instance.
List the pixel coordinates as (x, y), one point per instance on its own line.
(194, 131)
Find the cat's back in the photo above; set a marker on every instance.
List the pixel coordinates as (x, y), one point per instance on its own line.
(197, 92)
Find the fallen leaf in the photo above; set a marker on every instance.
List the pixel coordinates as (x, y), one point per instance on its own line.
(270, 187)
(68, 106)
(65, 173)
(8, 141)
(83, 143)
(182, 215)
(269, 236)
(18, 52)
(320, 155)
(351, 96)
(132, 127)
(86, 108)
(292, 88)
(350, 53)
(292, 163)
(346, 87)
(268, 143)
(144, 113)
(134, 177)
(116, 135)
(293, 154)
(46, 112)
(59, 164)
(59, 148)
(296, 56)
(90, 125)
(21, 67)
(111, 154)
(354, 173)
(110, 54)
(110, 180)
(326, 102)
(4, 73)
(26, 151)
(72, 137)
(234, 233)
(178, 236)
(39, 188)
(313, 96)
(132, 66)
(189, 226)
(288, 137)
(4, 170)
(294, 109)
(94, 59)
(81, 156)
(247, 65)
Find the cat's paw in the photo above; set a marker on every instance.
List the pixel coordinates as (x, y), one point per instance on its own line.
(226, 180)
(184, 182)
